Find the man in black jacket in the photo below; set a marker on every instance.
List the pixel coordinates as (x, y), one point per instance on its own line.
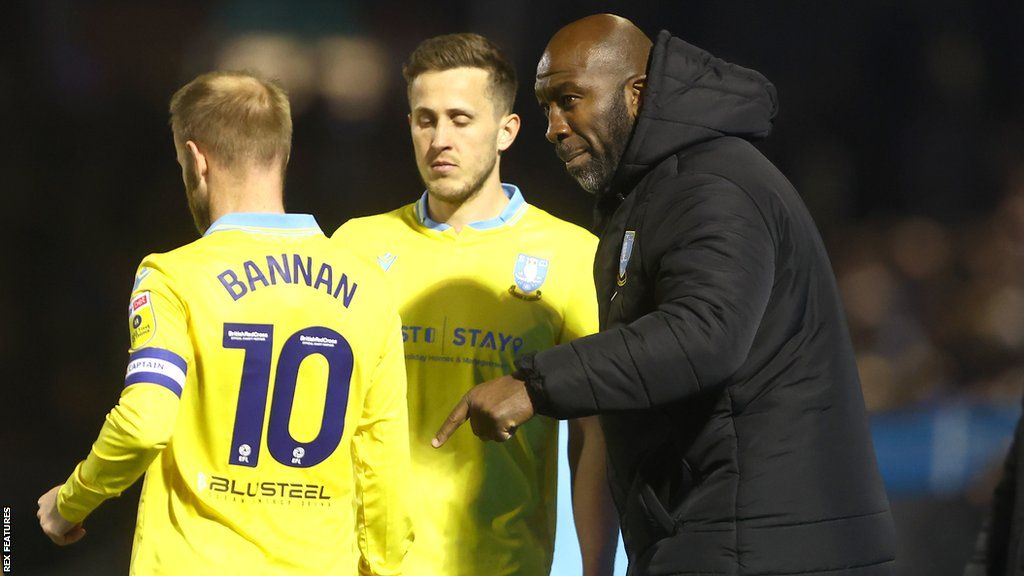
(724, 375)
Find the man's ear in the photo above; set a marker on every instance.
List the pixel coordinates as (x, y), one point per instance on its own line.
(197, 158)
(508, 129)
(635, 88)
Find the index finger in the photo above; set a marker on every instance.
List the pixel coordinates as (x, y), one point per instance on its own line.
(458, 415)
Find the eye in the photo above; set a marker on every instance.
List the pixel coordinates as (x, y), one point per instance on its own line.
(462, 120)
(545, 108)
(567, 100)
(424, 121)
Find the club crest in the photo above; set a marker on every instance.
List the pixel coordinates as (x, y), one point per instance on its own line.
(530, 272)
(627, 251)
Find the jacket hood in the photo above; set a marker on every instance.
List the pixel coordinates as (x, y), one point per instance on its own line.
(691, 97)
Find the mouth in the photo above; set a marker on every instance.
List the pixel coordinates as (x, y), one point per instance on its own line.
(442, 166)
(574, 158)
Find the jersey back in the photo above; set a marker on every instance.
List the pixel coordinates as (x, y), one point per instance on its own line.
(274, 339)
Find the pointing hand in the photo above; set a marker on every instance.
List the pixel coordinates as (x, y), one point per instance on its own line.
(495, 409)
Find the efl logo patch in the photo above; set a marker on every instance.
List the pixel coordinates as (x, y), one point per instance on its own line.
(141, 319)
(530, 272)
(627, 251)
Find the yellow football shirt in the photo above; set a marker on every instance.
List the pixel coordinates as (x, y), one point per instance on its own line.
(471, 303)
(265, 401)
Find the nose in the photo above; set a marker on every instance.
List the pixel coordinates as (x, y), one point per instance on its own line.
(558, 128)
(441, 139)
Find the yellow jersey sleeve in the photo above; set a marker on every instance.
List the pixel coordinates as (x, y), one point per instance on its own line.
(580, 317)
(139, 427)
(380, 454)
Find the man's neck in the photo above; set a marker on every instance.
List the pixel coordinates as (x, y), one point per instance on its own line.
(486, 204)
(260, 193)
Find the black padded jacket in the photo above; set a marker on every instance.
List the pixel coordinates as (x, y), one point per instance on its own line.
(724, 375)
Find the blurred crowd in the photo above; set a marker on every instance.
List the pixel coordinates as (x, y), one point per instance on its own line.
(936, 309)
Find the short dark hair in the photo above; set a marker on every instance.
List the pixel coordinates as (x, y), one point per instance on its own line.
(465, 50)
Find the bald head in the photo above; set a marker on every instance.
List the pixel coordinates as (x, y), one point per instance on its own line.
(602, 43)
(589, 84)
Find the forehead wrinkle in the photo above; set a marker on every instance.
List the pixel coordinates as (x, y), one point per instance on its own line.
(581, 59)
(594, 59)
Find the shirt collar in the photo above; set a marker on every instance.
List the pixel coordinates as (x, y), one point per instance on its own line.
(263, 223)
(516, 204)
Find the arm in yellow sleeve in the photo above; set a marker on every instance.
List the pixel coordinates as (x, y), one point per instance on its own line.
(134, 433)
(380, 451)
(579, 317)
(141, 424)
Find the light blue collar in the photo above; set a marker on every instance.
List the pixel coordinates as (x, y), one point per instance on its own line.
(262, 223)
(516, 204)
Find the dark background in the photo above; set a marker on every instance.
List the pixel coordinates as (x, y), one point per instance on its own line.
(901, 123)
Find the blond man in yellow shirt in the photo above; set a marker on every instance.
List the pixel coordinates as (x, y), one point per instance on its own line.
(265, 395)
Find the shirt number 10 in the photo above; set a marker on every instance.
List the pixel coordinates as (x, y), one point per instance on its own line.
(258, 342)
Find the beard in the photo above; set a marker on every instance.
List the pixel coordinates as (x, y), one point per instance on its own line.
(596, 175)
(448, 194)
(198, 198)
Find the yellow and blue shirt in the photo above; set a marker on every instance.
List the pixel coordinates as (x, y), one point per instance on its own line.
(471, 303)
(265, 400)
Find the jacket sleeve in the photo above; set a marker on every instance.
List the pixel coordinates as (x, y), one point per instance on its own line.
(380, 453)
(711, 258)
